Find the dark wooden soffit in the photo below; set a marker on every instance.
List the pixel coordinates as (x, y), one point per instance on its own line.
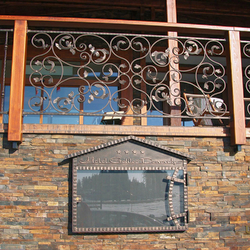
(230, 12)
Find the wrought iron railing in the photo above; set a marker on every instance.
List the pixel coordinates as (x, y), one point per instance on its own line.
(246, 76)
(5, 41)
(125, 77)
(104, 75)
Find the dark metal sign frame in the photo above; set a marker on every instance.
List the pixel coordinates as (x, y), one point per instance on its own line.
(97, 159)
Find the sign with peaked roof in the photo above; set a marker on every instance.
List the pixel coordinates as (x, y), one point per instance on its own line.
(129, 185)
(133, 139)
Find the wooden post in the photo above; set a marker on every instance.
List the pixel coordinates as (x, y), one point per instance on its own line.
(144, 119)
(171, 11)
(127, 93)
(174, 110)
(17, 82)
(235, 88)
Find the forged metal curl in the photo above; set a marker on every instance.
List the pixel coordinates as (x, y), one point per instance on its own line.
(246, 53)
(139, 63)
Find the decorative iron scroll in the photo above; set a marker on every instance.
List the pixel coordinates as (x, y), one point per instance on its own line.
(129, 186)
(135, 74)
(246, 78)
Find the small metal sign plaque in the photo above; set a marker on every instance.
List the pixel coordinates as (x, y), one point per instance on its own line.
(129, 185)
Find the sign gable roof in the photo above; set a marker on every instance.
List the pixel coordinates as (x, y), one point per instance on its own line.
(131, 138)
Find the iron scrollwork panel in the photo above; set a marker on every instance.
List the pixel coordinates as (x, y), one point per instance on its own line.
(105, 67)
(6, 36)
(246, 76)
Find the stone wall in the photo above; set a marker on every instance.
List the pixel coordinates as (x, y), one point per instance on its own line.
(35, 190)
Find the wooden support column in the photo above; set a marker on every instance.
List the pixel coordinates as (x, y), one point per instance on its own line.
(17, 82)
(235, 88)
(144, 119)
(174, 110)
(127, 92)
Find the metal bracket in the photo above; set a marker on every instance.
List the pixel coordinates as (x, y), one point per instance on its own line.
(15, 145)
(187, 216)
(247, 229)
(237, 148)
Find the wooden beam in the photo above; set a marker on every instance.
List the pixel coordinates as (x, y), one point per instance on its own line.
(235, 87)
(173, 67)
(171, 11)
(125, 130)
(64, 22)
(17, 81)
(126, 93)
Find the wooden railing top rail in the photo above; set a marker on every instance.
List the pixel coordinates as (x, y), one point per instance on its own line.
(118, 24)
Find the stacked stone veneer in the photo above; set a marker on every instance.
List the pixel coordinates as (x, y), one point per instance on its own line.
(35, 195)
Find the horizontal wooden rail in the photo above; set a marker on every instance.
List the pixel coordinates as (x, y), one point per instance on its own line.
(127, 130)
(119, 24)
